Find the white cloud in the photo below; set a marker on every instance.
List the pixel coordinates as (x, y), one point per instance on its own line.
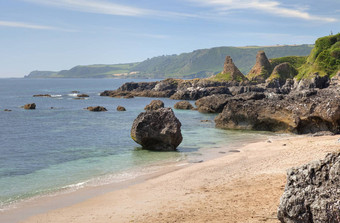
(31, 26)
(105, 7)
(272, 7)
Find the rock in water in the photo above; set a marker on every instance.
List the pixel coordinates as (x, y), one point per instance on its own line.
(157, 130)
(154, 105)
(121, 108)
(312, 192)
(29, 106)
(185, 105)
(96, 109)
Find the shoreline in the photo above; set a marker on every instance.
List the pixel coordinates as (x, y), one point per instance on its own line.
(211, 187)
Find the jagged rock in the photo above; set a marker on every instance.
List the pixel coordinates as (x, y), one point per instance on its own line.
(280, 74)
(29, 106)
(121, 108)
(230, 72)
(212, 104)
(261, 70)
(157, 130)
(312, 192)
(314, 82)
(42, 95)
(335, 81)
(235, 90)
(83, 96)
(97, 109)
(298, 112)
(154, 105)
(185, 105)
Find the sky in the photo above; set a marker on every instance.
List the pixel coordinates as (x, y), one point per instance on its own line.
(55, 35)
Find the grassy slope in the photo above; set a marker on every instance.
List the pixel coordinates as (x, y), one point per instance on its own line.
(324, 58)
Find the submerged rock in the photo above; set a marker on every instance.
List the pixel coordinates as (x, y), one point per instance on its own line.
(154, 105)
(83, 96)
(157, 130)
(185, 105)
(29, 106)
(42, 95)
(312, 192)
(96, 109)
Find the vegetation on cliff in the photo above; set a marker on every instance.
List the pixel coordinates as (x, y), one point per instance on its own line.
(323, 59)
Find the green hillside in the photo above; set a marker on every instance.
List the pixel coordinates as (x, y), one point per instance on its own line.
(324, 58)
(199, 63)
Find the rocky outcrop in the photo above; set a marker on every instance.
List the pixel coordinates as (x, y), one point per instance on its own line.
(96, 109)
(335, 81)
(299, 112)
(29, 106)
(212, 104)
(185, 105)
(157, 130)
(280, 74)
(154, 105)
(315, 81)
(121, 108)
(261, 70)
(312, 192)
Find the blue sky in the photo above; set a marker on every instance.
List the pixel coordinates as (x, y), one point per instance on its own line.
(59, 34)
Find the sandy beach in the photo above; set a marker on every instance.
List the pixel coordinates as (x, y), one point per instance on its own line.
(244, 186)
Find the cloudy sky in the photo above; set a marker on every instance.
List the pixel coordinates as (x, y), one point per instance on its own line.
(59, 34)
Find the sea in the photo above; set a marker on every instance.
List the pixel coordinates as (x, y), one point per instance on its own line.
(60, 146)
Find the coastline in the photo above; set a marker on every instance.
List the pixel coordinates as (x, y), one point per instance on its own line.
(238, 187)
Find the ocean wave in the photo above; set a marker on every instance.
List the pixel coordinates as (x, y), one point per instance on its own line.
(73, 95)
(56, 95)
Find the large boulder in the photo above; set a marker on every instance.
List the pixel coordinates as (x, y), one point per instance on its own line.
(312, 192)
(212, 104)
(157, 130)
(154, 105)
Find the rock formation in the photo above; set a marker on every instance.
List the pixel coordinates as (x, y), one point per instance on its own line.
(312, 192)
(212, 104)
(154, 105)
(29, 106)
(185, 105)
(121, 108)
(96, 109)
(261, 70)
(230, 72)
(299, 112)
(280, 74)
(157, 130)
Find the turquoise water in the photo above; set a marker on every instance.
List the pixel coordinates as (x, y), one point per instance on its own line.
(46, 150)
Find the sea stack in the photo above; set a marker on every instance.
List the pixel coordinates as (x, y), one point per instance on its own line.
(261, 70)
(230, 71)
(158, 130)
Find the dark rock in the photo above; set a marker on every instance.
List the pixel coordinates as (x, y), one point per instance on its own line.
(261, 70)
(315, 81)
(154, 105)
(78, 98)
(298, 112)
(42, 95)
(121, 108)
(212, 104)
(129, 96)
(83, 96)
(7, 110)
(312, 192)
(96, 109)
(157, 130)
(29, 106)
(185, 105)
(74, 92)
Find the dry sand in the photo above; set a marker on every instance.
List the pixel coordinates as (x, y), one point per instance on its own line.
(242, 187)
